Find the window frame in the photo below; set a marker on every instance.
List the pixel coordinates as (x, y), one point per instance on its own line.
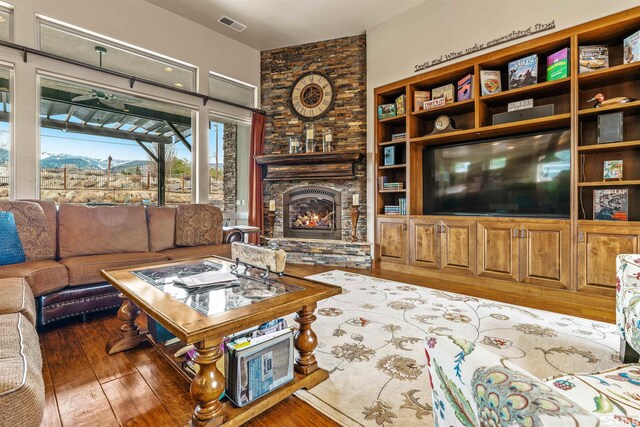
(234, 81)
(118, 44)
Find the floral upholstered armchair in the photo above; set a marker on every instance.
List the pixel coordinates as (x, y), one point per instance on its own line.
(628, 306)
(473, 386)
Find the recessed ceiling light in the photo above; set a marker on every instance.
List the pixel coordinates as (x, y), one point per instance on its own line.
(168, 69)
(178, 84)
(496, 143)
(510, 148)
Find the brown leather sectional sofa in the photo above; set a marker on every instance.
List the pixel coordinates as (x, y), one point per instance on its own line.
(64, 272)
(66, 248)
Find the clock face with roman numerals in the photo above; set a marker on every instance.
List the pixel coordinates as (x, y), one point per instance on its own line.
(312, 95)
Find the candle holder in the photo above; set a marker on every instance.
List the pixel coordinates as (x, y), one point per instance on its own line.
(355, 215)
(271, 219)
(309, 137)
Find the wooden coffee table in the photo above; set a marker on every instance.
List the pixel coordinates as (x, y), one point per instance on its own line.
(226, 313)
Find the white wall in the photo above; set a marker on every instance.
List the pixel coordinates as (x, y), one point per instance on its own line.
(437, 27)
(135, 22)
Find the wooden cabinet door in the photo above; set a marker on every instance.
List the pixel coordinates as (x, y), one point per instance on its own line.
(458, 246)
(498, 250)
(392, 239)
(424, 242)
(598, 246)
(545, 253)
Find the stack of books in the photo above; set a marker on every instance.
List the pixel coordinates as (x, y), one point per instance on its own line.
(403, 205)
(392, 185)
(391, 209)
(399, 136)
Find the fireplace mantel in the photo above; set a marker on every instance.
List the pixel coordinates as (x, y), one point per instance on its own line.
(323, 165)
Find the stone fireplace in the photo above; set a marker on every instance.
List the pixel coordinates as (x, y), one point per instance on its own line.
(312, 212)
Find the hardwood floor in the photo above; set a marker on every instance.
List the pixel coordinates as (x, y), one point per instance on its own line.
(86, 387)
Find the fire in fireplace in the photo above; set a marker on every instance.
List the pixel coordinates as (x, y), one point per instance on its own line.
(312, 212)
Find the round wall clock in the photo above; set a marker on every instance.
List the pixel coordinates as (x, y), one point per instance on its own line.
(312, 95)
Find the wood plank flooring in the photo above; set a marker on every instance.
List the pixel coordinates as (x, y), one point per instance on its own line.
(86, 387)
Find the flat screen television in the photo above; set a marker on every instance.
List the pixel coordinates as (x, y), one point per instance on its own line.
(527, 175)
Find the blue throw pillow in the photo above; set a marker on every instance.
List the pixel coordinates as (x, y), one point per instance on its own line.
(11, 251)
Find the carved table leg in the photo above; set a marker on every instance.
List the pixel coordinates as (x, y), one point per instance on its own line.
(130, 332)
(207, 385)
(305, 341)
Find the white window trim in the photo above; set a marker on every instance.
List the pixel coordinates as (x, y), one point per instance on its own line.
(101, 38)
(10, 67)
(9, 9)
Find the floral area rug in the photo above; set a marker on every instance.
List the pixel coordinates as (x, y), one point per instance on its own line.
(371, 340)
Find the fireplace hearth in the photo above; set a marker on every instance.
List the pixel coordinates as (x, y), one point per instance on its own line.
(312, 212)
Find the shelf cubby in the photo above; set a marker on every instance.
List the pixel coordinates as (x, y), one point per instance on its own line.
(585, 202)
(540, 90)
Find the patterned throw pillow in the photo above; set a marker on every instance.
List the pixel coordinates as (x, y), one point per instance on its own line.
(11, 251)
(198, 225)
(33, 229)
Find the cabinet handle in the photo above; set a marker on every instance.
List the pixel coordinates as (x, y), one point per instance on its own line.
(444, 229)
(404, 226)
(515, 232)
(581, 237)
(523, 233)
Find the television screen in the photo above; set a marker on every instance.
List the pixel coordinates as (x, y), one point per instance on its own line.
(528, 175)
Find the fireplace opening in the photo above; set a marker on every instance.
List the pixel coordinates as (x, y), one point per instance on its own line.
(312, 212)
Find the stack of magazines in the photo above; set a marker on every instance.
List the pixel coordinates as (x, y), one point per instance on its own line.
(258, 361)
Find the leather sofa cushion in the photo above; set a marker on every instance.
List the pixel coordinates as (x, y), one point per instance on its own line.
(43, 276)
(84, 270)
(198, 251)
(16, 297)
(92, 230)
(51, 213)
(33, 229)
(198, 224)
(162, 228)
(21, 382)
(76, 300)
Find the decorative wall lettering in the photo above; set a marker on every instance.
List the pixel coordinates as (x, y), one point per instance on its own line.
(513, 35)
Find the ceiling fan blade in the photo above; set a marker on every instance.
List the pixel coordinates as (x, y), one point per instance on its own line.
(83, 97)
(113, 103)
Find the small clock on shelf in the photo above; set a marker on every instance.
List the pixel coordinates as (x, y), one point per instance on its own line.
(444, 124)
(312, 95)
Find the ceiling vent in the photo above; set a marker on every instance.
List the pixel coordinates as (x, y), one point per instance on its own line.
(225, 20)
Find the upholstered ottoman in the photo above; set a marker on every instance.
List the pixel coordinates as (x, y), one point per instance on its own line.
(21, 383)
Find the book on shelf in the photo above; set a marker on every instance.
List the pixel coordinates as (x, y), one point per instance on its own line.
(523, 72)
(558, 65)
(400, 104)
(419, 98)
(446, 92)
(465, 87)
(611, 204)
(392, 209)
(393, 185)
(631, 48)
(382, 180)
(386, 110)
(612, 169)
(403, 205)
(594, 57)
(398, 136)
(490, 82)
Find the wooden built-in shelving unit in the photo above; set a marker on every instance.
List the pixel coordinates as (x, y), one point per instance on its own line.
(576, 255)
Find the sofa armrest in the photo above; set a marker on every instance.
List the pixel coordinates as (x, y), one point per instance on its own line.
(231, 234)
(472, 385)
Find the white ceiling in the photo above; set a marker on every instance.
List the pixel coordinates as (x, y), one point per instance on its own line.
(278, 23)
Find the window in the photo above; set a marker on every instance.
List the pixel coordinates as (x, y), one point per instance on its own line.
(101, 146)
(6, 22)
(100, 51)
(229, 145)
(5, 134)
(232, 90)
